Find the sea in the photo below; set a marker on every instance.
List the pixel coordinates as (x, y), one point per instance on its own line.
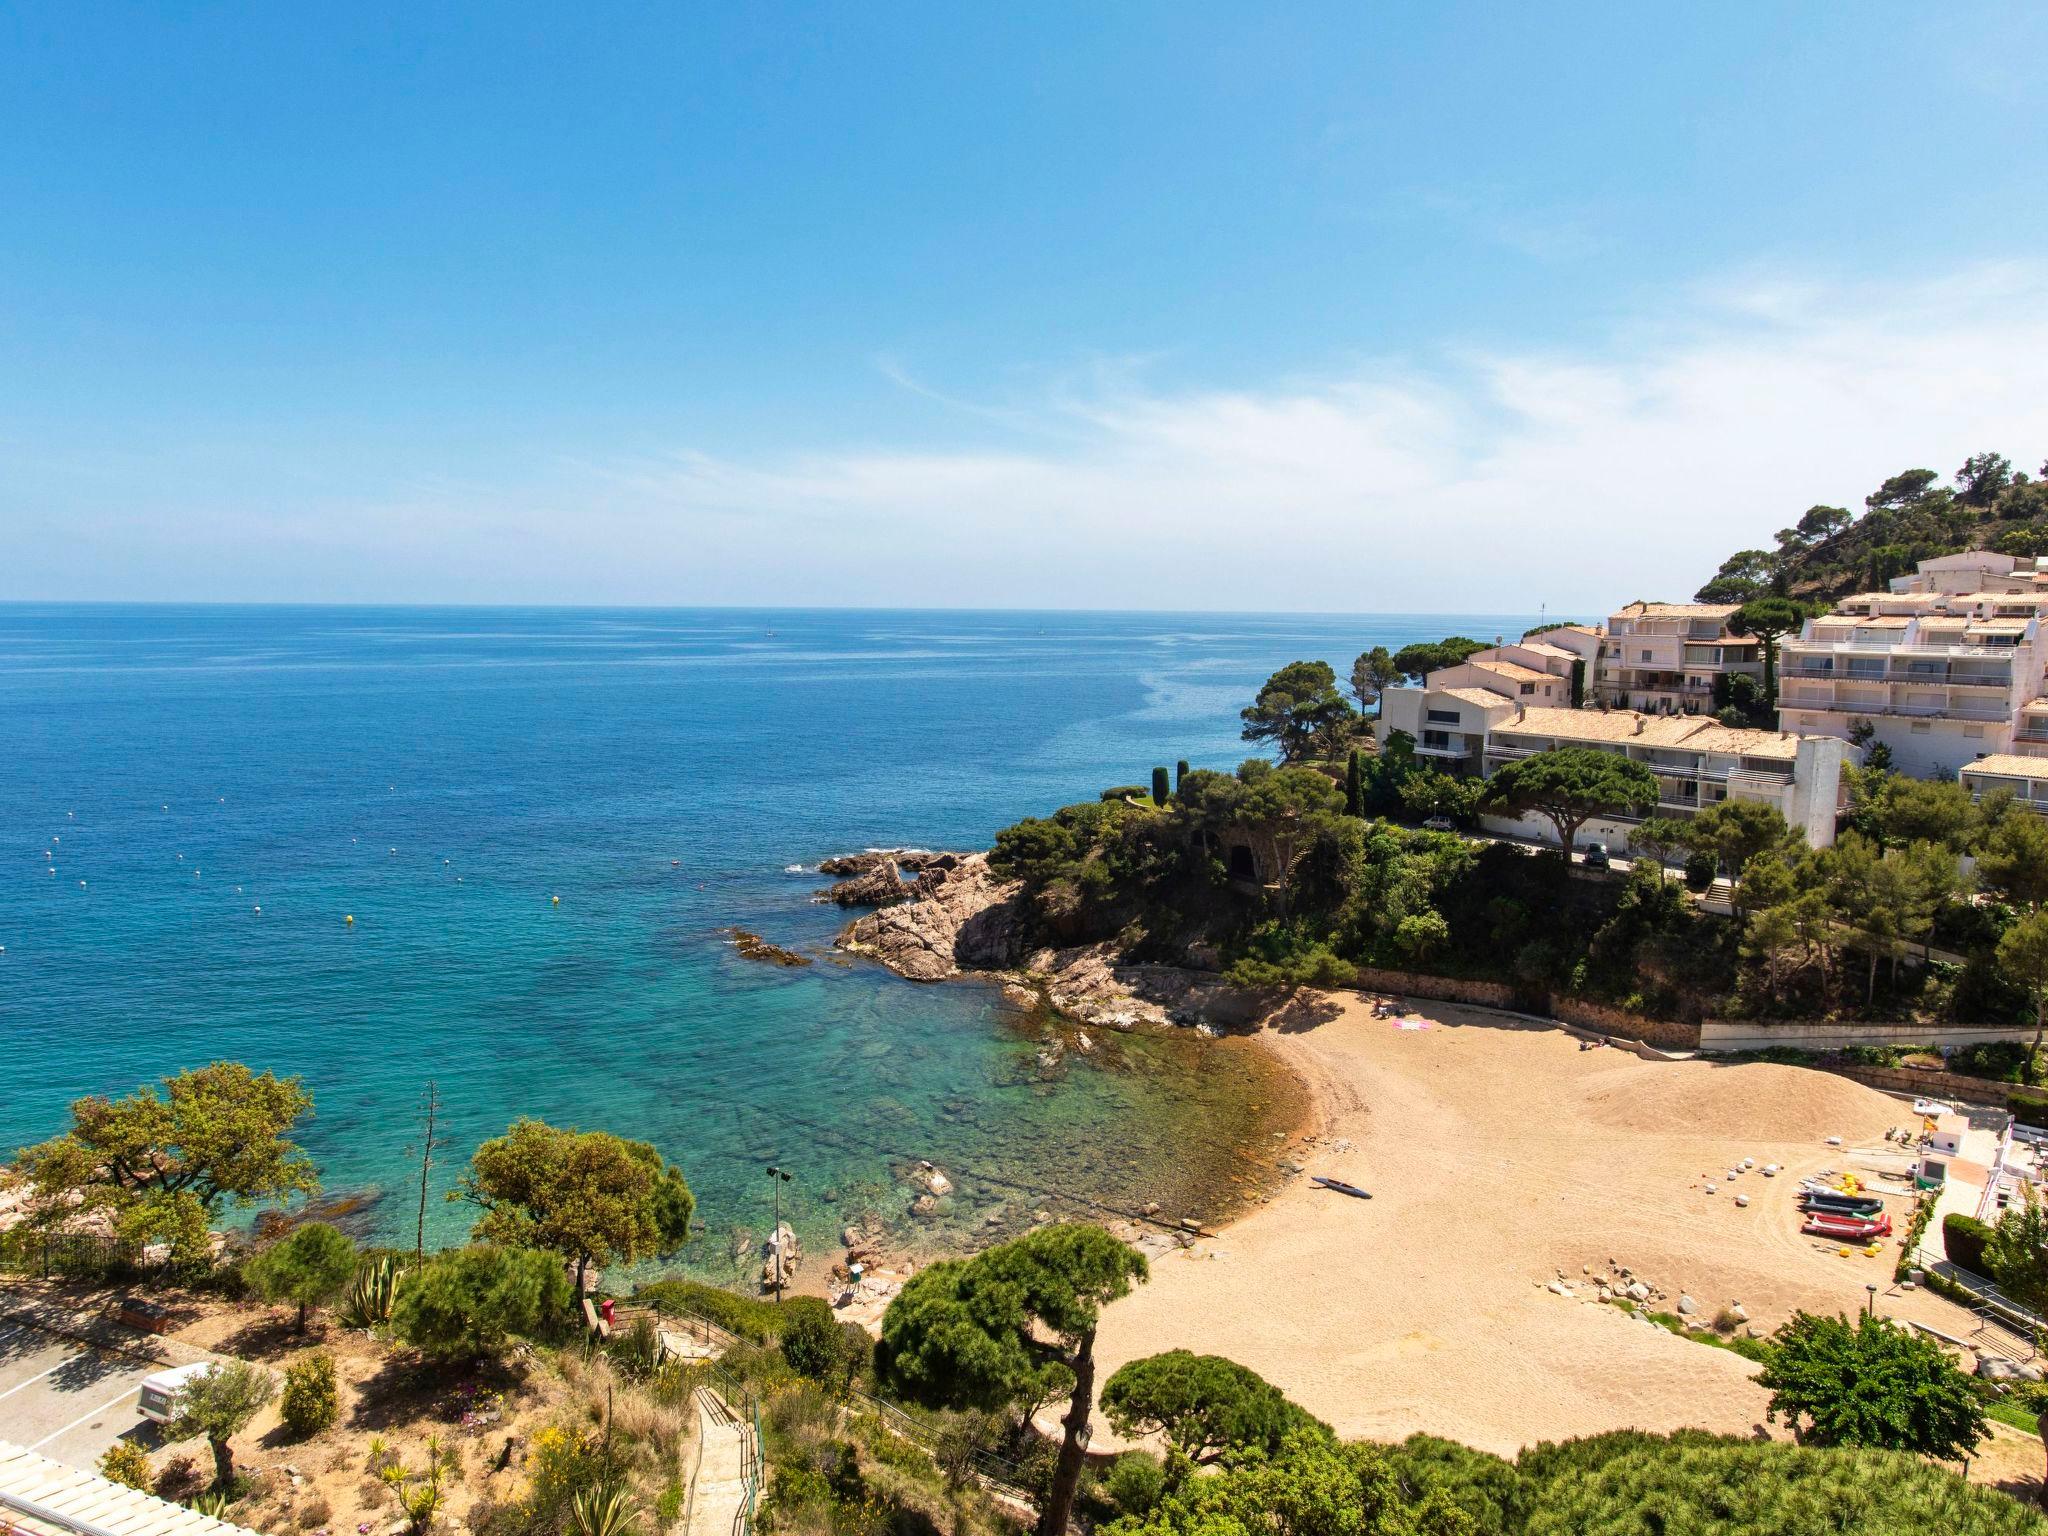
(499, 852)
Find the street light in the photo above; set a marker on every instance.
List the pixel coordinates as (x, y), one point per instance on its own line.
(778, 1178)
(1870, 1301)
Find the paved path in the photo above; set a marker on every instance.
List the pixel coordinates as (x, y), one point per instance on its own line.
(726, 1466)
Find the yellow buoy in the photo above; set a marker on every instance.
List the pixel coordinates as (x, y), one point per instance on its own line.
(557, 900)
(350, 919)
(1841, 1253)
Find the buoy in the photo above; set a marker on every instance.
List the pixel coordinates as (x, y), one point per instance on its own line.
(350, 919)
(259, 911)
(394, 850)
(1742, 1199)
(557, 900)
(444, 861)
(81, 885)
(1842, 1253)
(458, 879)
(673, 863)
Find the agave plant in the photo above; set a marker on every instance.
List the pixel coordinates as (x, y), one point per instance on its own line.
(214, 1502)
(373, 1293)
(604, 1510)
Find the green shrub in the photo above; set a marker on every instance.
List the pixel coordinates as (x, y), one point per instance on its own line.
(2028, 1109)
(1964, 1239)
(309, 1267)
(2003, 1061)
(1135, 1483)
(1160, 793)
(310, 1402)
(469, 1301)
(373, 1293)
(1700, 869)
(758, 1321)
(127, 1463)
(1125, 792)
(817, 1345)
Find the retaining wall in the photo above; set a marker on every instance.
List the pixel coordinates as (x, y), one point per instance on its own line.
(1664, 1034)
(1445, 989)
(1753, 1035)
(1931, 1085)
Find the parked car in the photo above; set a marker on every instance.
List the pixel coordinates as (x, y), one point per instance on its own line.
(160, 1392)
(1438, 824)
(1595, 856)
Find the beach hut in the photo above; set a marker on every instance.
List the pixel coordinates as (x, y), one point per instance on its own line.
(1946, 1136)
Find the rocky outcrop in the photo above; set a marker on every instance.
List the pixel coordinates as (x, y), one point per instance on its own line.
(875, 878)
(961, 917)
(752, 946)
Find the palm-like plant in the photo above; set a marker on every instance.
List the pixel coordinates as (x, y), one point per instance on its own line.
(605, 1510)
(373, 1293)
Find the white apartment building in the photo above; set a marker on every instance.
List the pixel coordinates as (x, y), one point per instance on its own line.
(1945, 669)
(1664, 657)
(1697, 762)
(2025, 777)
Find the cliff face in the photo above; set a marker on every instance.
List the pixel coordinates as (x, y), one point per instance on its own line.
(959, 916)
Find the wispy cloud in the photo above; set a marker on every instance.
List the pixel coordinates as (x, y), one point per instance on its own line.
(1496, 479)
(1491, 480)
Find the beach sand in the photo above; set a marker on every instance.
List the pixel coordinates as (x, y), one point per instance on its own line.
(1498, 1154)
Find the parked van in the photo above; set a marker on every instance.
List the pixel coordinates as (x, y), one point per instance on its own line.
(160, 1391)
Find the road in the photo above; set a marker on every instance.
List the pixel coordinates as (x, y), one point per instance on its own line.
(65, 1399)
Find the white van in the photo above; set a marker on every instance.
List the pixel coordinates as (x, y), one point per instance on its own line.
(160, 1391)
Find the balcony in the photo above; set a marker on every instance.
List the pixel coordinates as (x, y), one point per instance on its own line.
(1897, 675)
(1915, 711)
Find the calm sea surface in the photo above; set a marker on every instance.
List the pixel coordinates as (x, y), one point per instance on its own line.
(444, 776)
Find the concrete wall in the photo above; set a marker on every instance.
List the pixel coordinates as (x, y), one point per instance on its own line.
(1952, 1086)
(1751, 1035)
(1600, 829)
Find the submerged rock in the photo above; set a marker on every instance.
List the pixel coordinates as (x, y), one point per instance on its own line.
(752, 946)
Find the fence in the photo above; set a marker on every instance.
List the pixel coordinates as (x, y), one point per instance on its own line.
(71, 1255)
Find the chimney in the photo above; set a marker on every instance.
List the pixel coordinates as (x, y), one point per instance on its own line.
(1639, 727)
(1521, 710)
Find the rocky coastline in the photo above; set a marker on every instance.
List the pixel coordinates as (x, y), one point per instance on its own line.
(955, 917)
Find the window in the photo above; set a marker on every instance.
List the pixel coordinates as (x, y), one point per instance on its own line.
(1646, 655)
(1441, 740)
(1444, 716)
(1922, 727)
(1528, 688)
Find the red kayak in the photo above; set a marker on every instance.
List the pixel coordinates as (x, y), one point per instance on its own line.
(1846, 1228)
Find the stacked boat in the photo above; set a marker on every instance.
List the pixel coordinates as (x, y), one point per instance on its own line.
(1842, 1216)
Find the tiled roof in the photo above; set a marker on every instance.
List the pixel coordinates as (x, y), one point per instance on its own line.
(1690, 733)
(1677, 610)
(1479, 696)
(66, 1501)
(1518, 672)
(2010, 766)
(1544, 648)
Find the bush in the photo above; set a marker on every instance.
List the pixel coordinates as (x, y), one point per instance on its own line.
(2003, 1061)
(1700, 869)
(1160, 793)
(468, 1301)
(757, 1321)
(1964, 1239)
(2028, 1109)
(127, 1463)
(1126, 792)
(1135, 1483)
(310, 1403)
(816, 1344)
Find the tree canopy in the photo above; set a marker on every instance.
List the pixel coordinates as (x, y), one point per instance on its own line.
(1427, 656)
(1372, 674)
(162, 1165)
(310, 1266)
(1569, 786)
(588, 1195)
(1013, 1327)
(467, 1302)
(218, 1404)
(1870, 1383)
(1300, 710)
(1204, 1404)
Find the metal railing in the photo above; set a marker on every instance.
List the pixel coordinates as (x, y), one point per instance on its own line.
(70, 1255)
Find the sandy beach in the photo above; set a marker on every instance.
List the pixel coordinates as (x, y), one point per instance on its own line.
(1499, 1154)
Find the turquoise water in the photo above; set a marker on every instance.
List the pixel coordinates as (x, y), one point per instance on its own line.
(445, 775)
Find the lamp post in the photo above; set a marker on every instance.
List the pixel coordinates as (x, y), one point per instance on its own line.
(1870, 1300)
(778, 1178)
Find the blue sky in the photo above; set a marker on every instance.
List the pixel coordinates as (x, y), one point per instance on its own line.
(1041, 305)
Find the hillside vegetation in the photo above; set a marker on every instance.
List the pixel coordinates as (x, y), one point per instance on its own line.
(1831, 552)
